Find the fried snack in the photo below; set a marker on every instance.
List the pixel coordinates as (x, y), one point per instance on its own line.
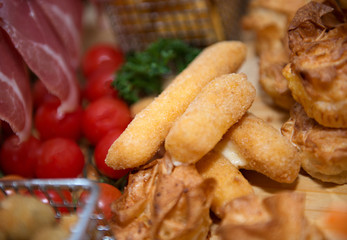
(254, 144)
(164, 202)
(142, 138)
(269, 20)
(230, 182)
(271, 79)
(318, 63)
(280, 216)
(323, 149)
(217, 107)
(22, 216)
(140, 105)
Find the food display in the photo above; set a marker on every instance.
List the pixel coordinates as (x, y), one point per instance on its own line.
(230, 183)
(179, 141)
(326, 164)
(316, 76)
(254, 144)
(317, 69)
(144, 135)
(270, 20)
(219, 105)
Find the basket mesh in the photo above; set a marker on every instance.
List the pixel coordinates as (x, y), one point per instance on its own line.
(137, 23)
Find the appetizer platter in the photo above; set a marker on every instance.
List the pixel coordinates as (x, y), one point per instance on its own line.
(180, 139)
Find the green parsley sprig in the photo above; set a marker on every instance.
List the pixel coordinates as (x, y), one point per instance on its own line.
(143, 72)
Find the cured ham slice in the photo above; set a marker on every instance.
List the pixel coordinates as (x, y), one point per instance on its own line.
(39, 45)
(66, 18)
(15, 96)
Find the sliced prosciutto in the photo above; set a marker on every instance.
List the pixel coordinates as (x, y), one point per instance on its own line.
(66, 18)
(39, 45)
(15, 95)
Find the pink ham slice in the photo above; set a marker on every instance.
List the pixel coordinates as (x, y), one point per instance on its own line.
(15, 97)
(39, 45)
(66, 18)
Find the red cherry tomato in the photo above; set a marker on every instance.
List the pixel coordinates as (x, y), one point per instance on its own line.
(108, 194)
(60, 158)
(104, 115)
(100, 153)
(41, 95)
(49, 124)
(99, 84)
(19, 158)
(101, 54)
(55, 198)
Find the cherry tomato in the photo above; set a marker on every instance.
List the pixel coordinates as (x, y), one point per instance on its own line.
(19, 158)
(49, 124)
(100, 153)
(101, 54)
(108, 194)
(60, 158)
(41, 95)
(104, 115)
(99, 84)
(54, 197)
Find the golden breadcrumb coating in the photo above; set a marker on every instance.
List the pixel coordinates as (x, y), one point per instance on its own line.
(219, 105)
(144, 135)
(231, 183)
(259, 146)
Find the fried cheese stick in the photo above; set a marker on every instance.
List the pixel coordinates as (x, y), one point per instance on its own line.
(231, 183)
(254, 144)
(217, 107)
(144, 135)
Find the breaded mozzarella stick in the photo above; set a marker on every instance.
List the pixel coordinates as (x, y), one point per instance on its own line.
(254, 144)
(219, 105)
(144, 135)
(231, 183)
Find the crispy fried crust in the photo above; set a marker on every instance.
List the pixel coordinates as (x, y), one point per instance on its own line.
(324, 149)
(216, 108)
(269, 20)
(142, 138)
(280, 216)
(231, 183)
(164, 202)
(318, 63)
(262, 148)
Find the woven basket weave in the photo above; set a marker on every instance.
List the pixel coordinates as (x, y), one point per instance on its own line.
(136, 23)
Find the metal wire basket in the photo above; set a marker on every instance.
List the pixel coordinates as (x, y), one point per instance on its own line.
(136, 23)
(90, 225)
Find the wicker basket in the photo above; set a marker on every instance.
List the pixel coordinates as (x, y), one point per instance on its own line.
(136, 23)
